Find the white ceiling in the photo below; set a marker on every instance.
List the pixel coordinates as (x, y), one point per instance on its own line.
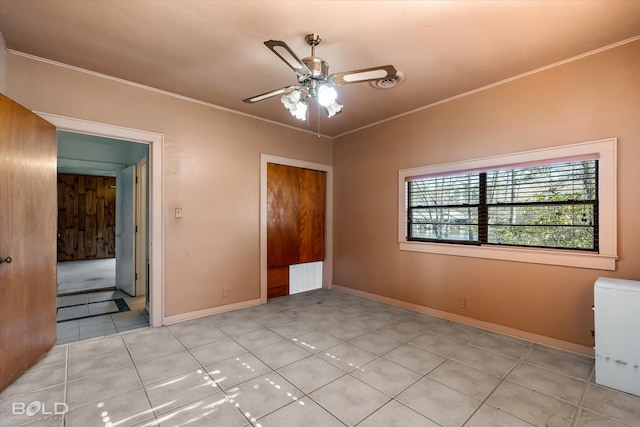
(213, 51)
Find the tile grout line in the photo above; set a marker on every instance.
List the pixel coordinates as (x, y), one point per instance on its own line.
(502, 381)
(393, 398)
(349, 373)
(308, 395)
(582, 395)
(518, 362)
(303, 394)
(66, 382)
(96, 339)
(206, 371)
(423, 376)
(135, 367)
(587, 382)
(446, 359)
(381, 356)
(470, 344)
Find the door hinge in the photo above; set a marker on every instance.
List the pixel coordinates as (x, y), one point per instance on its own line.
(136, 228)
(136, 179)
(136, 276)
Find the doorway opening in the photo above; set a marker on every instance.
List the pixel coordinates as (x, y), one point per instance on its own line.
(155, 142)
(102, 245)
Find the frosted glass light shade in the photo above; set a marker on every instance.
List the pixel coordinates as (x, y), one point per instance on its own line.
(326, 95)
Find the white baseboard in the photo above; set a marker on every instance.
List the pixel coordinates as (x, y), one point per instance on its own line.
(168, 320)
(516, 333)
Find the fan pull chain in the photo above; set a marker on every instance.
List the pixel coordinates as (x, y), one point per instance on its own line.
(318, 115)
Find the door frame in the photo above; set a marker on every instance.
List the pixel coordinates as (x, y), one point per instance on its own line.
(327, 268)
(156, 202)
(140, 214)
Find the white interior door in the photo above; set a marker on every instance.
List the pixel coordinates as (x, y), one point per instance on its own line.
(125, 230)
(141, 259)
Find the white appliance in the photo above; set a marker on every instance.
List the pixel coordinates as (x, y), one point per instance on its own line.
(617, 334)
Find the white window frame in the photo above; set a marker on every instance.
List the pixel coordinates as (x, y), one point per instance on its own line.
(605, 259)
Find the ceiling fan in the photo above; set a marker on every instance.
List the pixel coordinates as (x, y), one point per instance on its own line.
(314, 80)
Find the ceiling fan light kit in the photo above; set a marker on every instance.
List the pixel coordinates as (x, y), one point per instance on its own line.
(314, 81)
(294, 101)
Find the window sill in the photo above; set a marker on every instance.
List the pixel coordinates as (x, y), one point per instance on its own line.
(529, 255)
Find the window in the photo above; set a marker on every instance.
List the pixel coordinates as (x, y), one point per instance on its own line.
(552, 206)
(548, 206)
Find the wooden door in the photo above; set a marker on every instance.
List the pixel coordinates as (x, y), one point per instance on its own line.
(295, 222)
(28, 162)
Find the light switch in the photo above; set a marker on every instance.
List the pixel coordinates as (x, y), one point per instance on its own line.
(178, 212)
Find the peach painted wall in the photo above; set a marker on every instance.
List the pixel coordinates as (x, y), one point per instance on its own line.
(211, 171)
(593, 98)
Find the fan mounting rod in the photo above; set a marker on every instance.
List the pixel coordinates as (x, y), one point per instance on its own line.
(313, 40)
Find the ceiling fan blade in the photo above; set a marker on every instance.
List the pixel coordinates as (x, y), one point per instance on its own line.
(267, 95)
(286, 54)
(363, 75)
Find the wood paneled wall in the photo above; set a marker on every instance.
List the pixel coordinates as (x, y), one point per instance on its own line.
(295, 222)
(86, 217)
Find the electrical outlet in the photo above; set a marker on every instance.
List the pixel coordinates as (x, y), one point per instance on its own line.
(178, 212)
(225, 292)
(461, 302)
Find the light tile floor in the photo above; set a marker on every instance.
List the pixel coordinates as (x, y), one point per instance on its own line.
(322, 359)
(92, 304)
(88, 274)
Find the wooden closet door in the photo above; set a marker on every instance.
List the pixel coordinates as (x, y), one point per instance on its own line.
(311, 215)
(283, 201)
(295, 222)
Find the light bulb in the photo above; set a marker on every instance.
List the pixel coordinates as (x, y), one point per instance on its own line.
(290, 99)
(300, 112)
(333, 109)
(326, 95)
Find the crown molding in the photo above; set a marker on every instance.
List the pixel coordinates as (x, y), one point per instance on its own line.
(499, 83)
(160, 91)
